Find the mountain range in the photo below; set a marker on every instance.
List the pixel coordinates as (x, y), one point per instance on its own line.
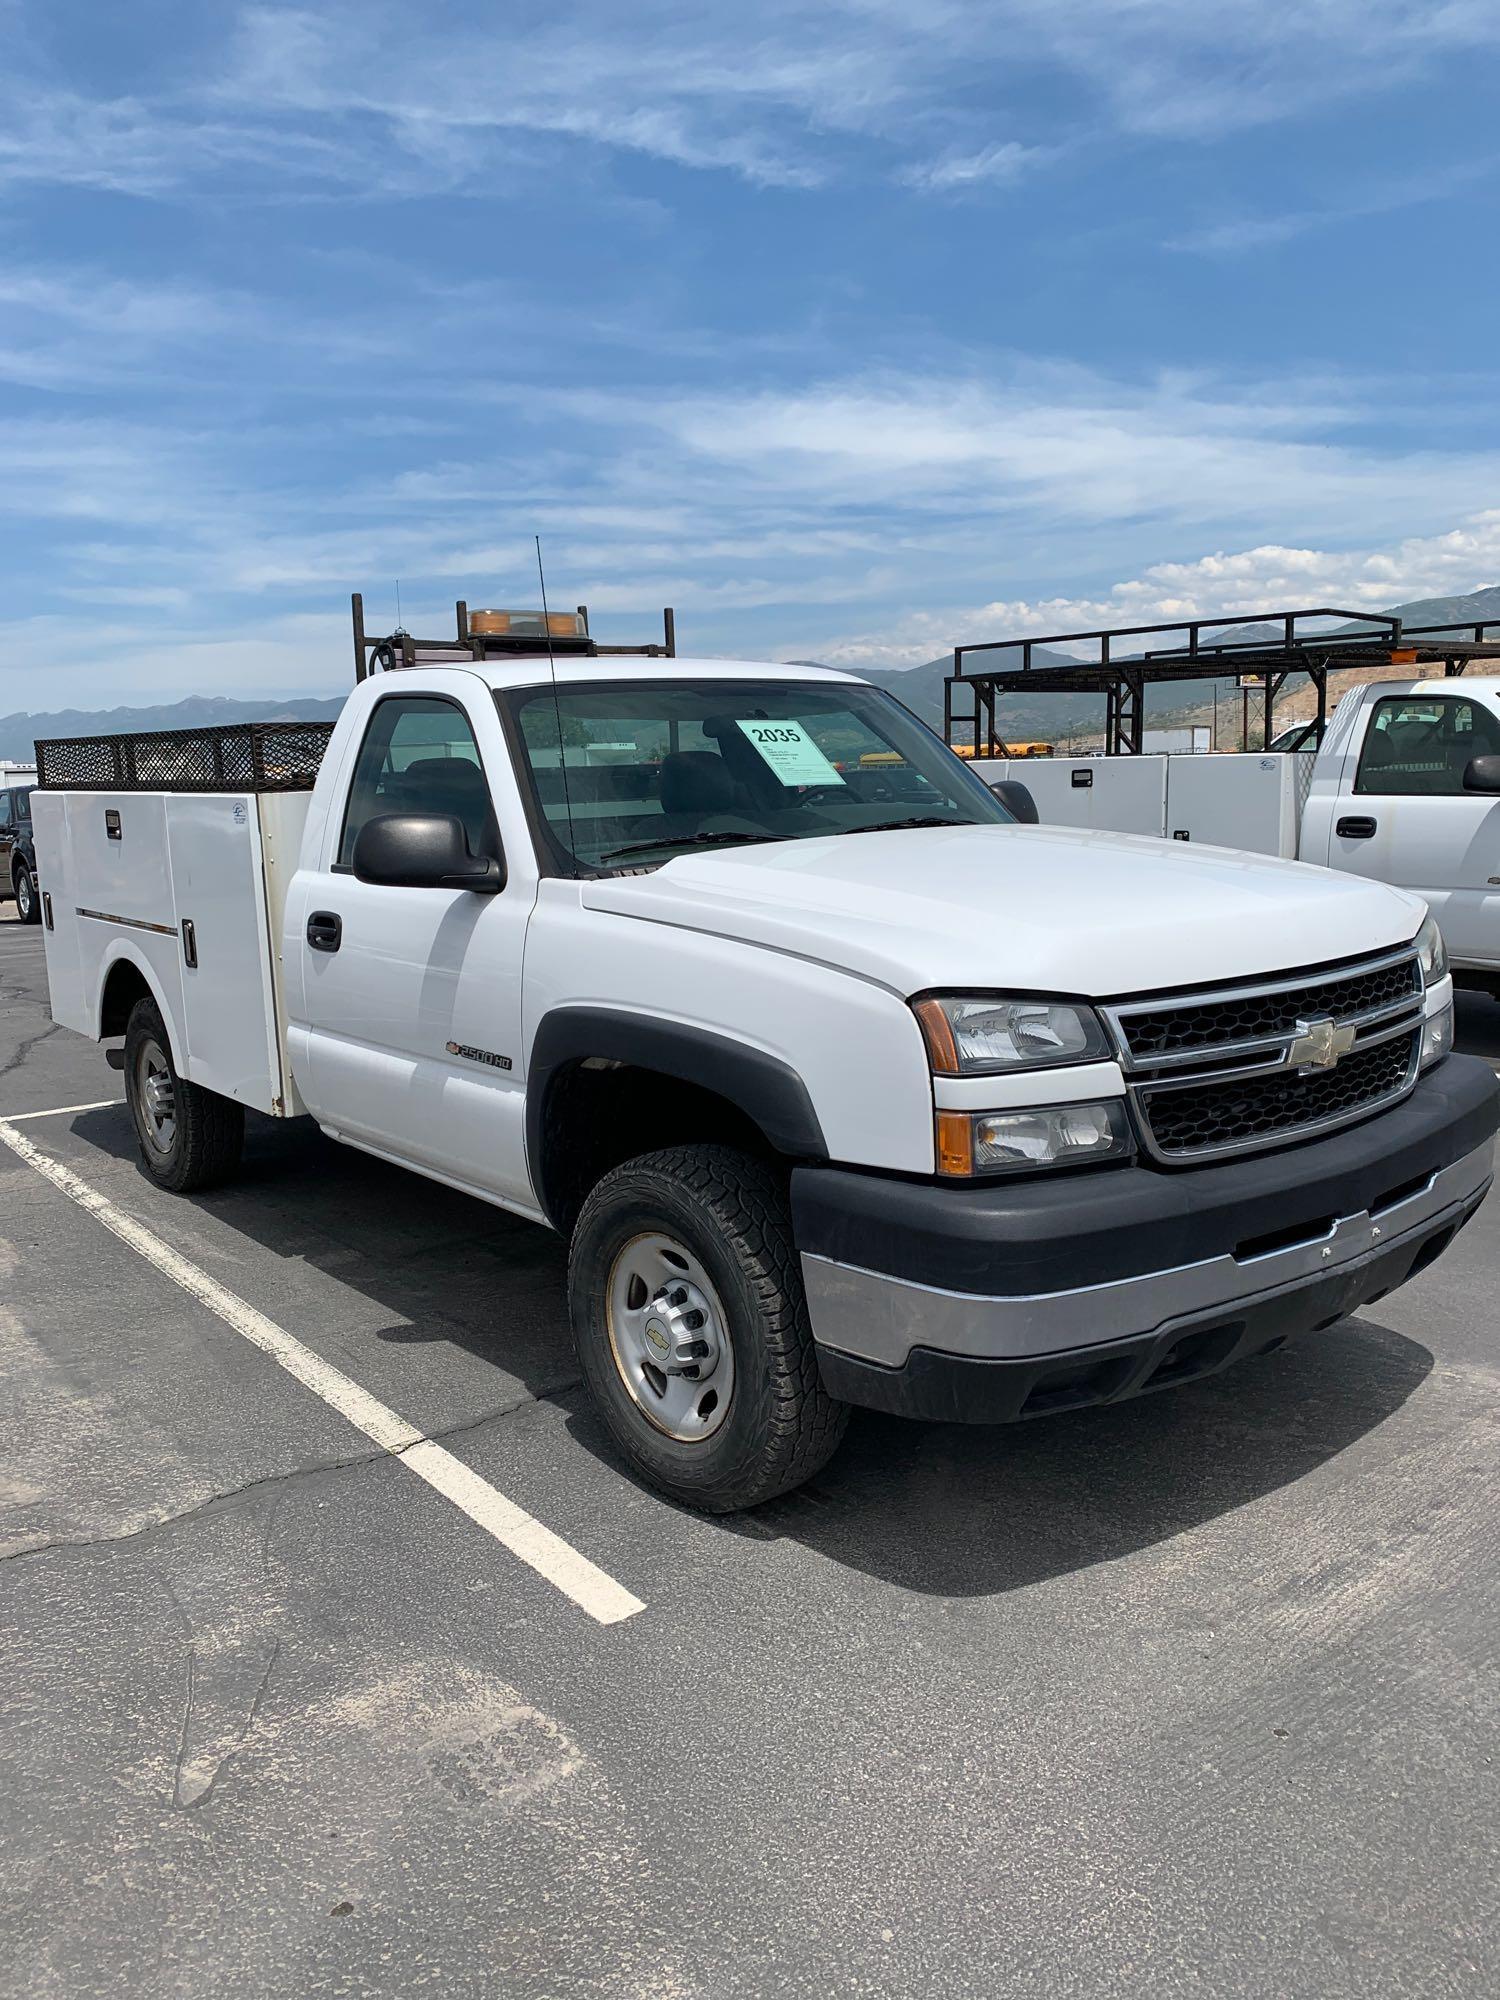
(1048, 716)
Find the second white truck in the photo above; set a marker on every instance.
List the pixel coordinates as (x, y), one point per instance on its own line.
(842, 1086)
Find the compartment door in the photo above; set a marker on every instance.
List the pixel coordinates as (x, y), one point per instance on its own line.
(1234, 800)
(228, 1010)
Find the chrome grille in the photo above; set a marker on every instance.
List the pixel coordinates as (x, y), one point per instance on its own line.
(1219, 1073)
(1216, 1020)
(1212, 1116)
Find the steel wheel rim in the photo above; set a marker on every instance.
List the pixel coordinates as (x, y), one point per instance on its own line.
(669, 1337)
(156, 1095)
(23, 892)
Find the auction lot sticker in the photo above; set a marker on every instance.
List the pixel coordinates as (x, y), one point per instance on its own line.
(791, 753)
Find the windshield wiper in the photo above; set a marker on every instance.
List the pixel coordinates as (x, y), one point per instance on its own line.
(692, 840)
(900, 825)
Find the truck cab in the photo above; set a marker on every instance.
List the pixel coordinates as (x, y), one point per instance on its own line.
(1406, 789)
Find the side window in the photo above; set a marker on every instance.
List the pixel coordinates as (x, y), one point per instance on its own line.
(1417, 746)
(419, 756)
(4, 809)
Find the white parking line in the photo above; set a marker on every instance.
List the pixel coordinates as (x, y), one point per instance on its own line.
(549, 1555)
(62, 1110)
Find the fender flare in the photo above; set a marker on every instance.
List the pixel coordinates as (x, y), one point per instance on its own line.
(122, 952)
(767, 1090)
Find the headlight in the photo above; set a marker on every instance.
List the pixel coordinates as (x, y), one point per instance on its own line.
(1053, 1135)
(981, 1034)
(1432, 952)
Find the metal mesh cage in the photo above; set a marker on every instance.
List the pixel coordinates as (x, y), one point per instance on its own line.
(239, 757)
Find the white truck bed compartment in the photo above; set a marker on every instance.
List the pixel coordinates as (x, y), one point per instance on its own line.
(1247, 801)
(163, 879)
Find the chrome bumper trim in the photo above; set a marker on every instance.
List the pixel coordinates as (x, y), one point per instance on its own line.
(881, 1319)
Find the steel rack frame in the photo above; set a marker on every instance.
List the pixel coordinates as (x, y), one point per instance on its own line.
(400, 649)
(1186, 650)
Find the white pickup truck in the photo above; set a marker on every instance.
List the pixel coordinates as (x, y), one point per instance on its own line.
(844, 1086)
(1405, 788)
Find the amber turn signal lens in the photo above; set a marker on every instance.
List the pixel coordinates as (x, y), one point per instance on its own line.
(937, 1032)
(955, 1143)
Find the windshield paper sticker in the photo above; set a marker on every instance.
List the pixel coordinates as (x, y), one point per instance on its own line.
(791, 753)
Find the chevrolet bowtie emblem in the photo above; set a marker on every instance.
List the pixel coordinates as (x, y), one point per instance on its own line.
(1319, 1044)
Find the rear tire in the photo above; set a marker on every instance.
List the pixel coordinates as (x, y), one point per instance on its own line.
(189, 1137)
(28, 902)
(690, 1248)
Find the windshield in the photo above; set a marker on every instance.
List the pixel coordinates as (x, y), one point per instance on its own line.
(646, 770)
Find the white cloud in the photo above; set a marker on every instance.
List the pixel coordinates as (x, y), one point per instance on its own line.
(139, 663)
(1065, 446)
(1224, 584)
(998, 165)
(308, 651)
(387, 99)
(764, 516)
(1235, 234)
(1196, 68)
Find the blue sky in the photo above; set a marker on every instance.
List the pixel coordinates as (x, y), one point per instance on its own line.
(850, 330)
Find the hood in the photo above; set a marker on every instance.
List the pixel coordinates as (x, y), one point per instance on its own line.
(1031, 908)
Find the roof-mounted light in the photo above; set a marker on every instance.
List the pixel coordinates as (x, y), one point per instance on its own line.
(527, 625)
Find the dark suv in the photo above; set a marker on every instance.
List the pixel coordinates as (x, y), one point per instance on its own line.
(18, 854)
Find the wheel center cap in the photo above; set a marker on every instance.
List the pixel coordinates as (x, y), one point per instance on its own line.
(657, 1338)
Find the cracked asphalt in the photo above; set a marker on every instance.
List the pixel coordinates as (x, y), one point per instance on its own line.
(1195, 1696)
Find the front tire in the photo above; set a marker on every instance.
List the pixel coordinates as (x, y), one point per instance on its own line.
(691, 1325)
(190, 1137)
(28, 902)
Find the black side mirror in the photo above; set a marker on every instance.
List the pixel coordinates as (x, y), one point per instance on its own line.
(1014, 795)
(423, 851)
(1482, 774)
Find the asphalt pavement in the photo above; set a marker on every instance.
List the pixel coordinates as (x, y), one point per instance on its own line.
(1195, 1696)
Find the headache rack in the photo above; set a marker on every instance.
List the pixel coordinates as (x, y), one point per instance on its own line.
(490, 635)
(1261, 649)
(236, 757)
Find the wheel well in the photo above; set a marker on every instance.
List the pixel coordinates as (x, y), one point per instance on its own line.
(125, 985)
(600, 1113)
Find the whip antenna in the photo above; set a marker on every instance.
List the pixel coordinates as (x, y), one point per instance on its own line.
(562, 751)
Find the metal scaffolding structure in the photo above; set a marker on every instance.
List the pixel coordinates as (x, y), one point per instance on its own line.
(1123, 667)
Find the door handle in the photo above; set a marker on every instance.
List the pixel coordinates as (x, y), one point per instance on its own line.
(325, 931)
(1357, 828)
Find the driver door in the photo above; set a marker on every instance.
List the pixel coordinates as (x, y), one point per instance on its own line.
(412, 996)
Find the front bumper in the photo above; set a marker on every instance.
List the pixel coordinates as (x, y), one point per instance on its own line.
(1008, 1300)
